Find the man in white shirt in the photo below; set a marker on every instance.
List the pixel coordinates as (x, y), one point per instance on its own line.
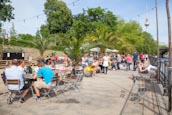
(13, 72)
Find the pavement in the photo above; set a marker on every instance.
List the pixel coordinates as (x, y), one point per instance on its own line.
(104, 94)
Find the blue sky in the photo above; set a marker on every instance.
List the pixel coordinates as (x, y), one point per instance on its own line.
(29, 13)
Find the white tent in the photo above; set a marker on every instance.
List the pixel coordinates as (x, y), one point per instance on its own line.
(108, 50)
(111, 51)
(95, 49)
(115, 51)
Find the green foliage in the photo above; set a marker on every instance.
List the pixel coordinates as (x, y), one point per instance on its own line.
(59, 17)
(95, 27)
(73, 43)
(131, 34)
(42, 43)
(23, 40)
(98, 16)
(5, 11)
(148, 45)
(103, 38)
(45, 32)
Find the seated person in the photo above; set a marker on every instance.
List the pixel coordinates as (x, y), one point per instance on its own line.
(143, 68)
(52, 65)
(21, 67)
(96, 65)
(13, 72)
(47, 74)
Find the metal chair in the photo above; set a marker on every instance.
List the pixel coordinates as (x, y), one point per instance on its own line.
(55, 87)
(14, 82)
(76, 78)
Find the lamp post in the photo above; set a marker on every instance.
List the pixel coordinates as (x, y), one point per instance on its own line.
(169, 55)
(157, 35)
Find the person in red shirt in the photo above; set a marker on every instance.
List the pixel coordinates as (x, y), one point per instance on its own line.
(141, 57)
(128, 61)
(56, 59)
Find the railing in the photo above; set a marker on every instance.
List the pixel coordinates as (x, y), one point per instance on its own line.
(162, 64)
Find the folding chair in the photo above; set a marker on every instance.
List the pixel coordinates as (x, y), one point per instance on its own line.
(77, 78)
(13, 82)
(54, 87)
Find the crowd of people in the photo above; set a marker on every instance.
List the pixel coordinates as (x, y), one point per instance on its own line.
(104, 62)
(43, 72)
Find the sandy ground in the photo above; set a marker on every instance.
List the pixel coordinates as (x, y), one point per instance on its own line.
(101, 95)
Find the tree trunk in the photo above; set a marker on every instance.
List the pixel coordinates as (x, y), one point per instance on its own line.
(41, 52)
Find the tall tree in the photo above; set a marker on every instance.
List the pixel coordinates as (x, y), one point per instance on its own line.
(42, 43)
(147, 45)
(73, 44)
(103, 38)
(5, 11)
(131, 35)
(59, 17)
(102, 16)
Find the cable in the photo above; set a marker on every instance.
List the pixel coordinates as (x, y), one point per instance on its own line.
(37, 16)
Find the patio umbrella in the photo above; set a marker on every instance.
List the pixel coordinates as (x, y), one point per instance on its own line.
(108, 50)
(95, 49)
(115, 51)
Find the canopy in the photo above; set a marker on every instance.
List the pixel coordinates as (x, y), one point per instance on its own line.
(111, 51)
(115, 51)
(95, 49)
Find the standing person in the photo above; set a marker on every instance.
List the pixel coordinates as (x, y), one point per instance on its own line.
(105, 63)
(30, 58)
(128, 62)
(90, 59)
(113, 61)
(118, 58)
(84, 61)
(101, 64)
(47, 74)
(135, 59)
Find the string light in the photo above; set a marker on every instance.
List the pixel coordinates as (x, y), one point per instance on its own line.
(37, 16)
(138, 15)
(73, 4)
